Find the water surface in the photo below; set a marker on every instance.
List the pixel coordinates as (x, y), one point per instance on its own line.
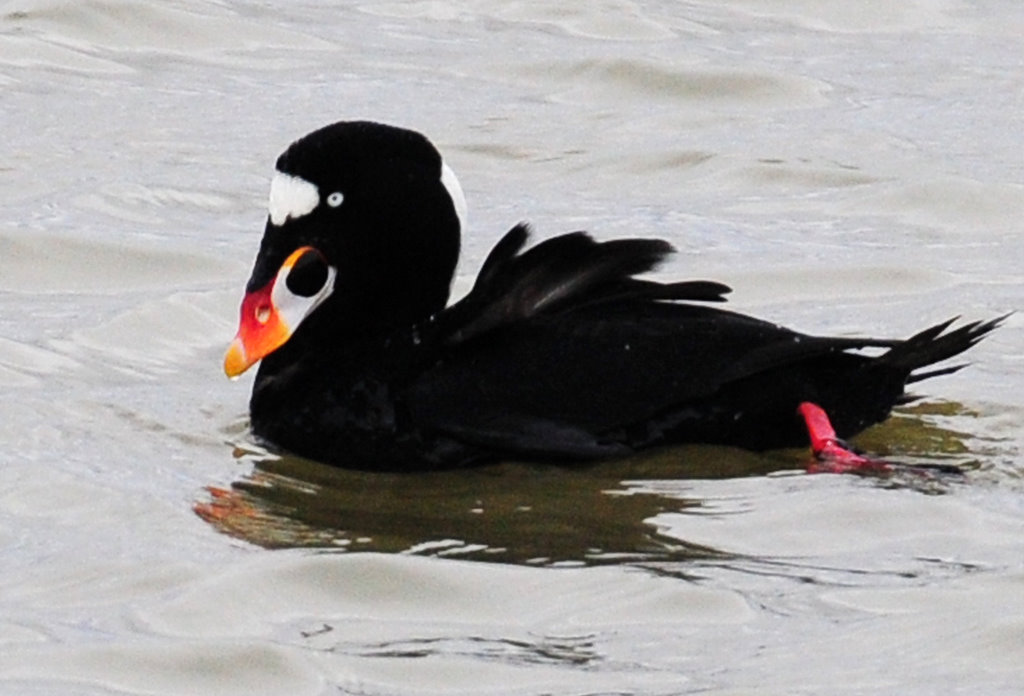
(846, 168)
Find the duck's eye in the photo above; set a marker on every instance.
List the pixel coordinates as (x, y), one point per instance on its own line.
(335, 199)
(308, 275)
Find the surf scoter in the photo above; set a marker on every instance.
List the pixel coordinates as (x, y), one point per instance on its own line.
(559, 352)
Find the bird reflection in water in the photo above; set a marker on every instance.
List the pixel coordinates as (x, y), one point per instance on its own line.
(539, 514)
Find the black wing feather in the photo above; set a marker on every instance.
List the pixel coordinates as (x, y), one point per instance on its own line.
(564, 273)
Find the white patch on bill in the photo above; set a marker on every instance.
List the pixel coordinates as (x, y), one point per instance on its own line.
(455, 193)
(291, 197)
(292, 309)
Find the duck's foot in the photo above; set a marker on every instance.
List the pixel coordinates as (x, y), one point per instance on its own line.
(832, 455)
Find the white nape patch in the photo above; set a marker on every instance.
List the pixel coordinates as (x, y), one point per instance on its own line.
(455, 193)
(291, 197)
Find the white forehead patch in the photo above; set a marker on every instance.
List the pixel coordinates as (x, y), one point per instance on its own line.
(291, 197)
(455, 193)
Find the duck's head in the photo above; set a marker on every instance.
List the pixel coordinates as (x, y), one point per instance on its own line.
(362, 236)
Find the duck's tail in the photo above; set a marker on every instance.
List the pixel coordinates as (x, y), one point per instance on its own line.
(935, 344)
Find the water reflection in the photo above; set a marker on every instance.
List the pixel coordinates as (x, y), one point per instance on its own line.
(537, 514)
(510, 512)
(541, 650)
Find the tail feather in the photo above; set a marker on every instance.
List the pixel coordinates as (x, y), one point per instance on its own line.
(907, 398)
(938, 372)
(935, 344)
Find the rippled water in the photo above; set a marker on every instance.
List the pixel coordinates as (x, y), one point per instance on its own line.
(846, 167)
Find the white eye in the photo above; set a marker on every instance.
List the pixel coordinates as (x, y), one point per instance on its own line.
(335, 199)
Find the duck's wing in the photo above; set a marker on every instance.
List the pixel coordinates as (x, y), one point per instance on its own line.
(571, 268)
(560, 274)
(560, 345)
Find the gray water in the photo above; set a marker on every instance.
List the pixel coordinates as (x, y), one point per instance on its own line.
(846, 167)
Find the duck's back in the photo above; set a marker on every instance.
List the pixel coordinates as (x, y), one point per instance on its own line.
(614, 377)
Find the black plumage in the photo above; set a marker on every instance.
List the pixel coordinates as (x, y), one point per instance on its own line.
(559, 352)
